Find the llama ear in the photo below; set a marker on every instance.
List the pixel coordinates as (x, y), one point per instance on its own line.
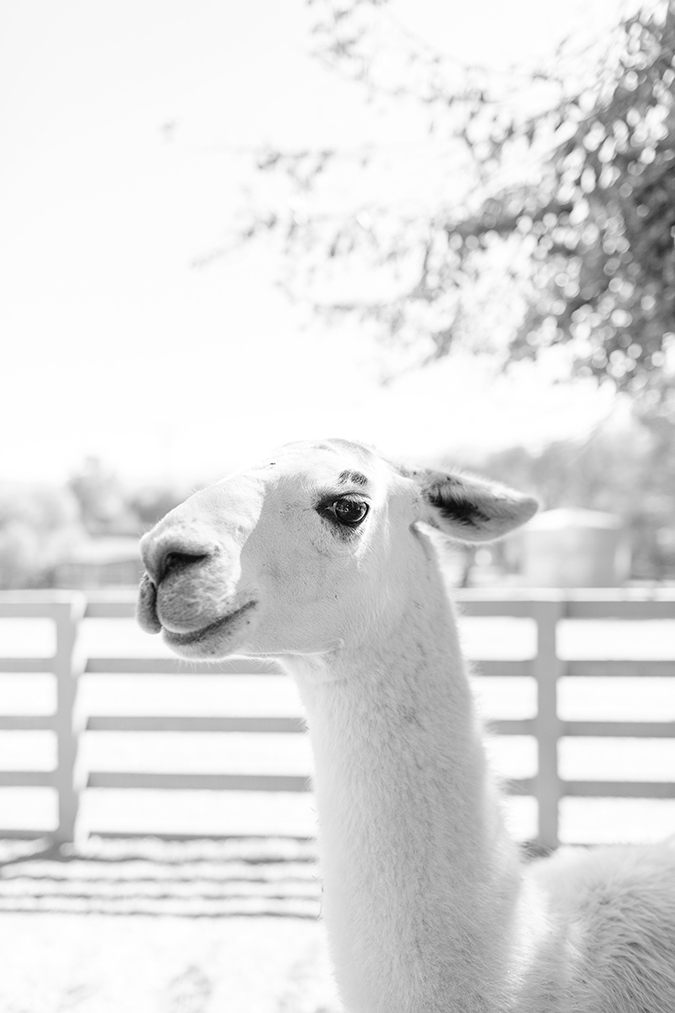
(471, 509)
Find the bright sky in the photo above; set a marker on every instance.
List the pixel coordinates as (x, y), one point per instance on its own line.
(110, 343)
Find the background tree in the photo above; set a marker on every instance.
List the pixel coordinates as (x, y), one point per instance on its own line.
(41, 524)
(102, 499)
(151, 502)
(566, 182)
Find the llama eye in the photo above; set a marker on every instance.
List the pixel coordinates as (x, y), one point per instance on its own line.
(349, 512)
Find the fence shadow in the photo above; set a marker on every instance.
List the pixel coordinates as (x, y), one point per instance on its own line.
(271, 877)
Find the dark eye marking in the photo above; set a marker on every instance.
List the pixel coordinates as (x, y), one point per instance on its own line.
(347, 511)
(353, 476)
(457, 508)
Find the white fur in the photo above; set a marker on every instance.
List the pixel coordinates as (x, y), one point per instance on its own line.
(428, 906)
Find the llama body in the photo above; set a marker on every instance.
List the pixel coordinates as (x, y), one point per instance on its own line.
(320, 558)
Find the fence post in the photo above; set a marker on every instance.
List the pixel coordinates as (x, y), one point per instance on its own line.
(67, 669)
(547, 670)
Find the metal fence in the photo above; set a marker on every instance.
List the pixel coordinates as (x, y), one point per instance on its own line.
(545, 608)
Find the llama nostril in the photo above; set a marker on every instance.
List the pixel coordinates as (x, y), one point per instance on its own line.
(174, 561)
(164, 553)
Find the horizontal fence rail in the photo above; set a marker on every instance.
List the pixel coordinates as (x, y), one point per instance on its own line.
(546, 608)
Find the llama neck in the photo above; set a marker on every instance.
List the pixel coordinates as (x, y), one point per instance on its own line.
(419, 878)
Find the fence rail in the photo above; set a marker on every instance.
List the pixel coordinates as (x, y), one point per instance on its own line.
(546, 608)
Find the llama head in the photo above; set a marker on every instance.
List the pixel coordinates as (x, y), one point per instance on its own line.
(301, 554)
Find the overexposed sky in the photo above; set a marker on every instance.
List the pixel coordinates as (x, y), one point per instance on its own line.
(110, 342)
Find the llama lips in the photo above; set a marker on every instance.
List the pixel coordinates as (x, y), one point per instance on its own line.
(195, 636)
(146, 607)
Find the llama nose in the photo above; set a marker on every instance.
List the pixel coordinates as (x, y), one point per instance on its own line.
(171, 555)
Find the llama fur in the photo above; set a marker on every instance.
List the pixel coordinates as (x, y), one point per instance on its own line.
(428, 905)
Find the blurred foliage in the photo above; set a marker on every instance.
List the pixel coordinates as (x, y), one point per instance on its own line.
(101, 497)
(151, 502)
(37, 525)
(571, 188)
(109, 508)
(628, 471)
(40, 525)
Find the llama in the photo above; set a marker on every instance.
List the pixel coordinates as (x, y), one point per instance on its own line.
(325, 559)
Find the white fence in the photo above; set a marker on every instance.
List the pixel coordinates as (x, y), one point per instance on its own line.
(546, 609)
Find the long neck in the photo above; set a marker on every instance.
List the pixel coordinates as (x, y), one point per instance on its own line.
(419, 878)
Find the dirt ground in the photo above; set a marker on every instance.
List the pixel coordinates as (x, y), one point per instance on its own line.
(147, 926)
(53, 963)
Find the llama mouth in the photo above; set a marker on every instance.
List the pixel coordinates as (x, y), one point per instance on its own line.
(205, 632)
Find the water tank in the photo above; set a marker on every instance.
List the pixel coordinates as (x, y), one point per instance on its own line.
(574, 548)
